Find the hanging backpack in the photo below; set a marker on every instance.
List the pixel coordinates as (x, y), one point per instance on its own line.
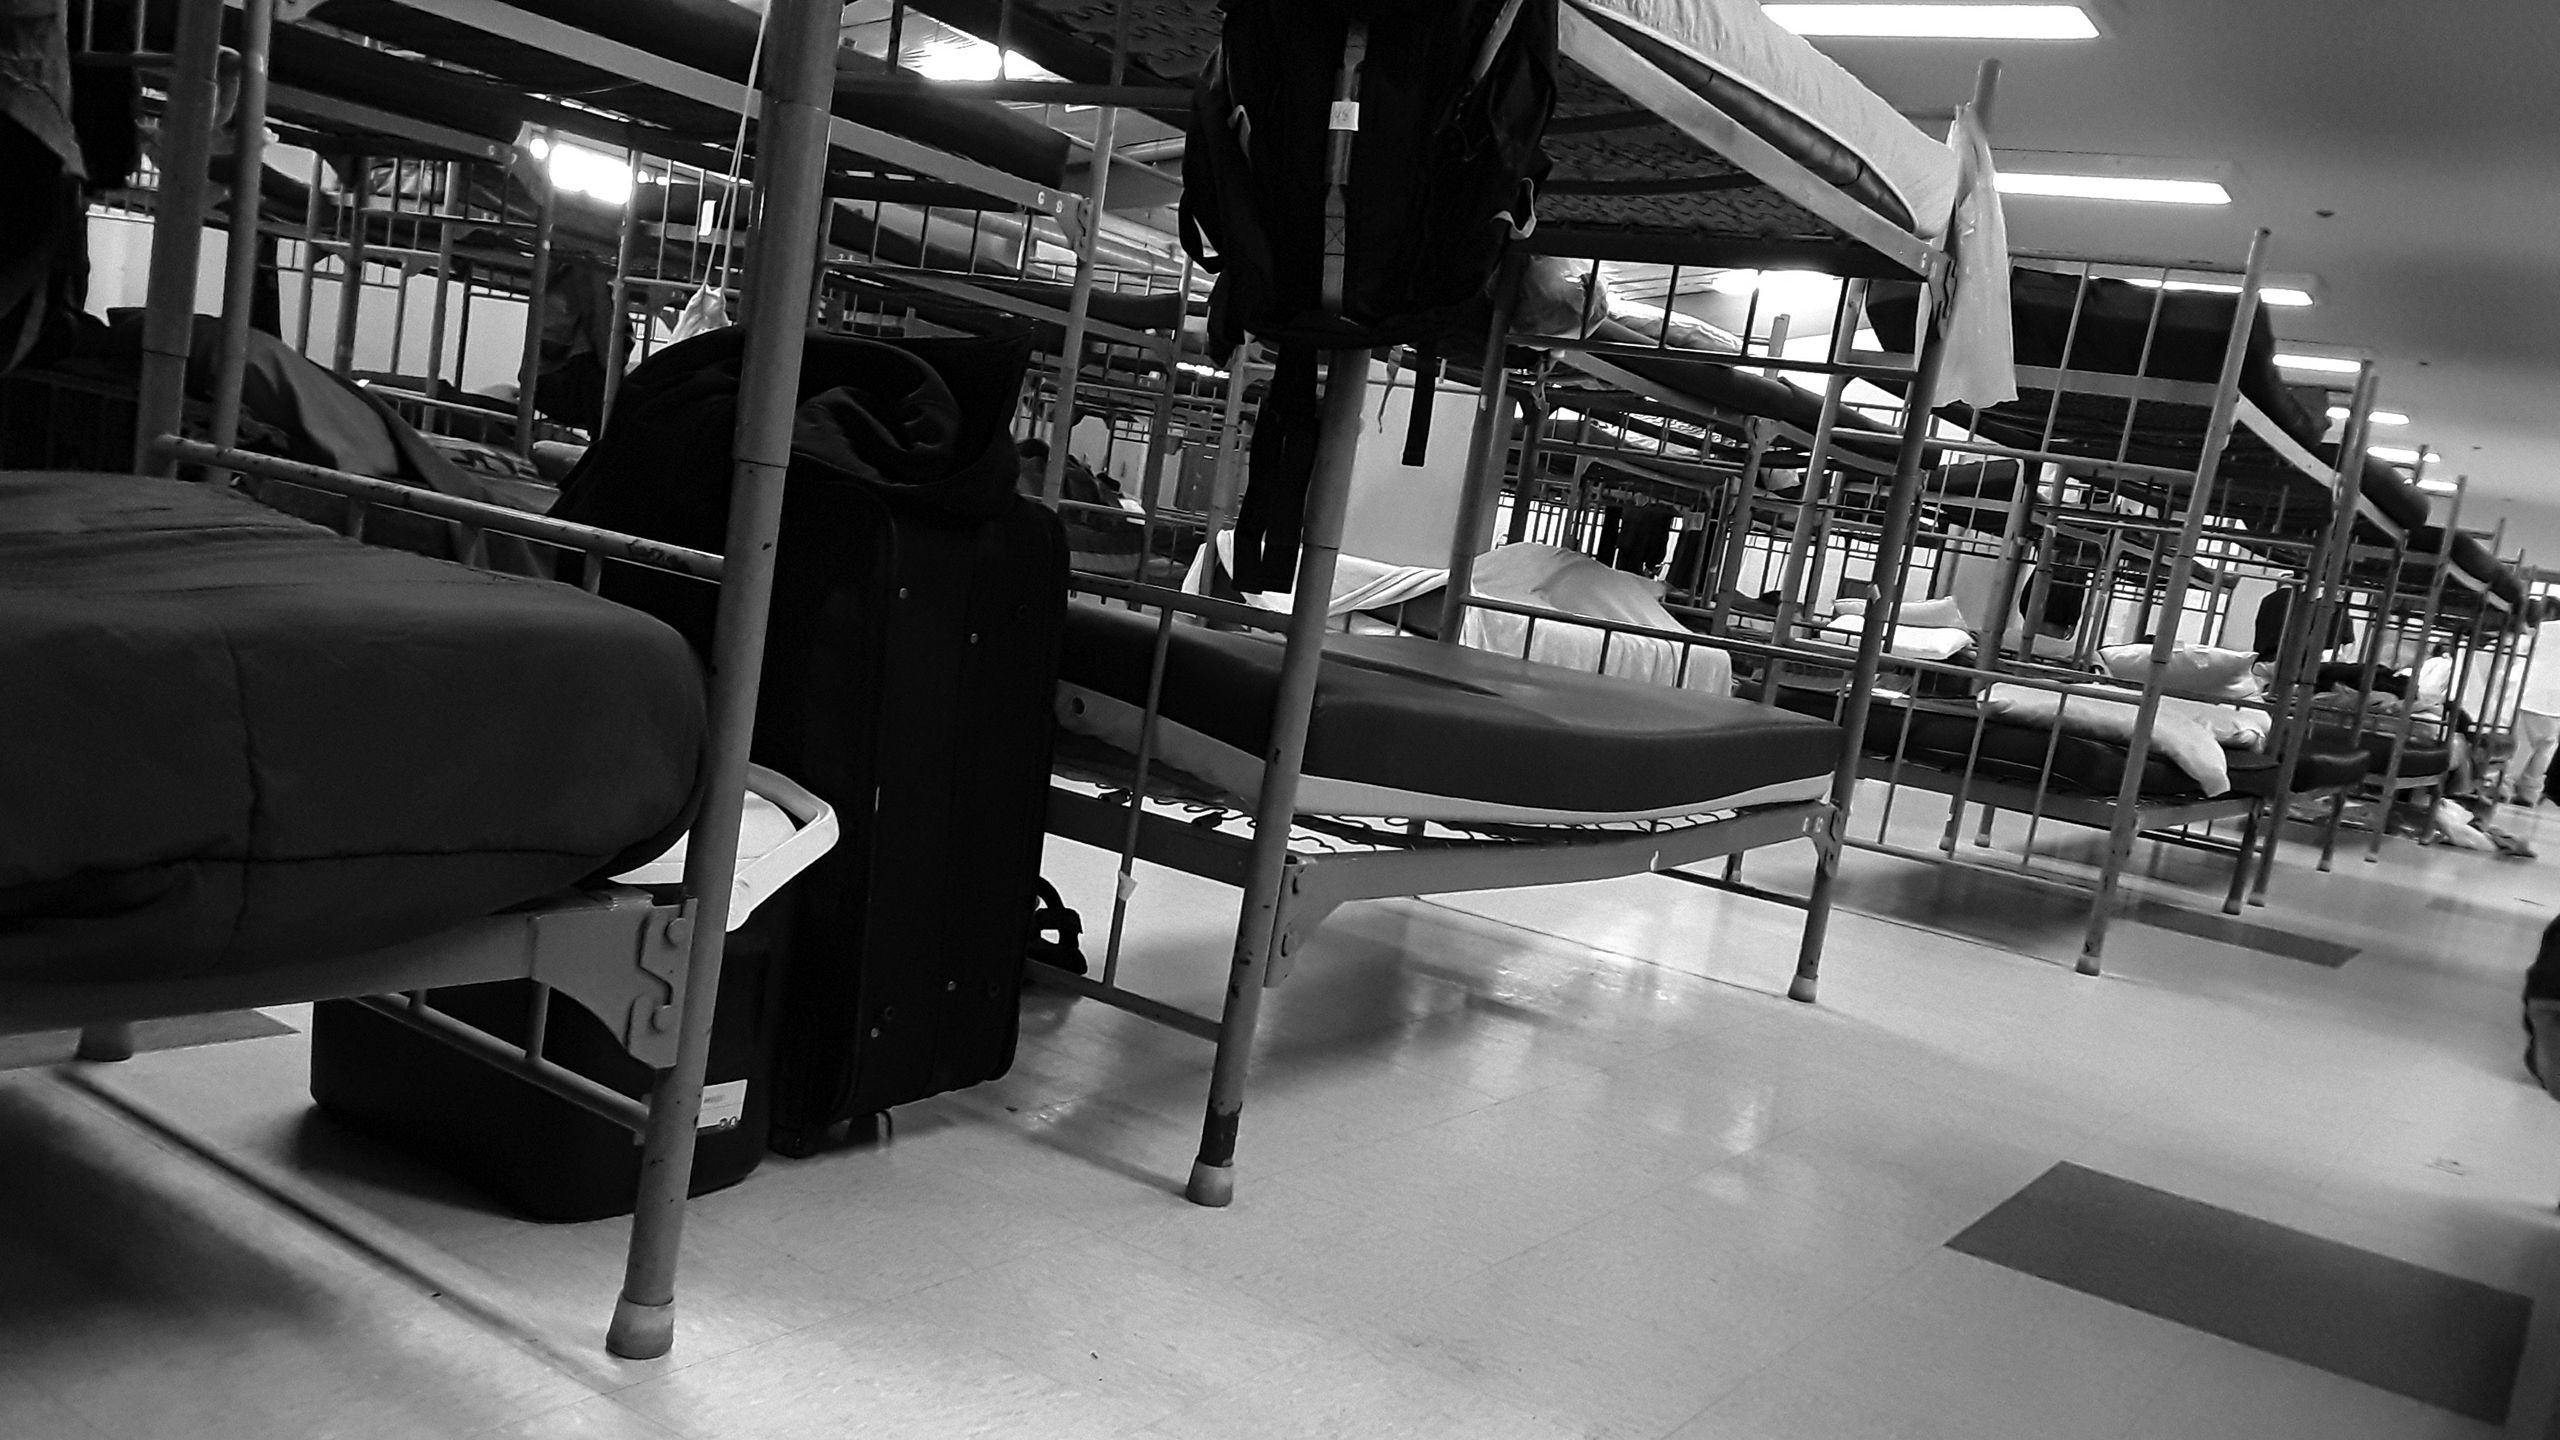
(1354, 173)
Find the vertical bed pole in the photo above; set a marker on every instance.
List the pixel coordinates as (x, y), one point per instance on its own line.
(1488, 451)
(536, 297)
(2408, 726)
(449, 213)
(1226, 479)
(240, 276)
(790, 170)
(177, 233)
(2128, 812)
(352, 187)
(2315, 620)
(1917, 415)
(1062, 424)
(1275, 810)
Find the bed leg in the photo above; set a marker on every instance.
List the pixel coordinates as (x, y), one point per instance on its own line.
(2266, 860)
(108, 1042)
(2329, 835)
(1982, 837)
(2240, 865)
(1817, 913)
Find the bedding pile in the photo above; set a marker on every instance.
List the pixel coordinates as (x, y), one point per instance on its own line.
(1553, 578)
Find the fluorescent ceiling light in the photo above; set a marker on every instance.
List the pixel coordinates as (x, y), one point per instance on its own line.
(2378, 417)
(2400, 455)
(1937, 22)
(2115, 187)
(2267, 294)
(2441, 487)
(581, 171)
(957, 55)
(2323, 364)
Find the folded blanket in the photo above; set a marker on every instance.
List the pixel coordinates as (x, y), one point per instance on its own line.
(2178, 734)
(1905, 641)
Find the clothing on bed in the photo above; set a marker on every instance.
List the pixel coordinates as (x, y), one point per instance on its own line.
(1904, 641)
(2176, 733)
(237, 740)
(1553, 578)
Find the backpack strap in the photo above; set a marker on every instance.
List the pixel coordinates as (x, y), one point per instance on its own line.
(1426, 385)
(1341, 126)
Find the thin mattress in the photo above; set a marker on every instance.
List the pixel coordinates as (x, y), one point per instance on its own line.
(2030, 754)
(237, 740)
(1794, 96)
(1418, 730)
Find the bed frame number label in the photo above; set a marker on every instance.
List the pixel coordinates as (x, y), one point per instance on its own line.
(723, 1105)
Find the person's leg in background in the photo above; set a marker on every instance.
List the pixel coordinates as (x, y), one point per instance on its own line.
(2537, 739)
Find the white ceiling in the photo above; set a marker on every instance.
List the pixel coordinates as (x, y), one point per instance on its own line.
(2406, 154)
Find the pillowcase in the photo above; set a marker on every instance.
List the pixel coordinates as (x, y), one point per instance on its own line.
(2176, 734)
(1940, 614)
(2196, 672)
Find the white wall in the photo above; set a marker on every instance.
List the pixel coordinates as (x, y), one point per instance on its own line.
(120, 278)
(1399, 514)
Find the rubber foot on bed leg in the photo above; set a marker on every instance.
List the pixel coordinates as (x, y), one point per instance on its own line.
(641, 1332)
(1211, 1185)
(2088, 965)
(1801, 989)
(106, 1043)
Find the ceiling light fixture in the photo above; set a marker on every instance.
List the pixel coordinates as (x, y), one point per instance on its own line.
(2114, 187)
(2321, 364)
(581, 171)
(2285, 295)
(2441, 487)
(1936, 22)
(2378, 417)
(2400, 455)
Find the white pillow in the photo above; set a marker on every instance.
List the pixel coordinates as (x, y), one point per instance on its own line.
(2197, 672)
(1909, 642)
(2176, 734)
(1941, 613)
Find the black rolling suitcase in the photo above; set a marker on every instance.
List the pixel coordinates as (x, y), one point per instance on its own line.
(908, 681)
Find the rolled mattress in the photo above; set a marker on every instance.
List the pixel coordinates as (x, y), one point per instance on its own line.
(237, 740)
(1413, 729)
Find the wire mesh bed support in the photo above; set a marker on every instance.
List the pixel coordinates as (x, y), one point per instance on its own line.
(657, 966)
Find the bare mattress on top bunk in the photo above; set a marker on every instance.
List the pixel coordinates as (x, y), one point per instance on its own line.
(1414, 729)
(236, 740)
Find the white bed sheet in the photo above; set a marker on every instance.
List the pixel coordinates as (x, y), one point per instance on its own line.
(1553, 578)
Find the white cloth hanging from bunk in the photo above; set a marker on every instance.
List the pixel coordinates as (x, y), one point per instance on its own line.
(2190, 734)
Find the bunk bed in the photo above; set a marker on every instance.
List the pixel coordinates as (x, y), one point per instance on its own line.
(1260, 789)
(377, 801)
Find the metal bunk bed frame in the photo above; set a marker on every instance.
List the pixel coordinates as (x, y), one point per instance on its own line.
(1289, 885)
(650, 969)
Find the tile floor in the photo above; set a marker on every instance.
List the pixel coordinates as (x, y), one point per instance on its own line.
(1531, 1164)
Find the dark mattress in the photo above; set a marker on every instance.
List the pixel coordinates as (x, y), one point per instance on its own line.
(235, 740)
(2126, 329)
(1417, 717)
(2079, 764)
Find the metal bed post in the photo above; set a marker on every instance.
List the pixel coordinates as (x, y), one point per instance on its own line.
(2367, 665)
(2407, 729)
(240, 276)
(177, 230)
(791, 170)
(1533, 439)
(1213, 1176)
(2128, 814)
(2315, 613)
(1737, 527)
(1062, 423)
(1224, 479)
(352, 186)
(310, 256)
(1917, 416)
(617, 343)
(450, 214)
(1488, 453)
(537, 292)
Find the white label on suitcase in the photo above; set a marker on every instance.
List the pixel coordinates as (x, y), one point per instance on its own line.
(723, 1105)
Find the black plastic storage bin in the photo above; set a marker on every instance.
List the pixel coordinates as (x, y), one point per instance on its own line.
(532, 1150)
